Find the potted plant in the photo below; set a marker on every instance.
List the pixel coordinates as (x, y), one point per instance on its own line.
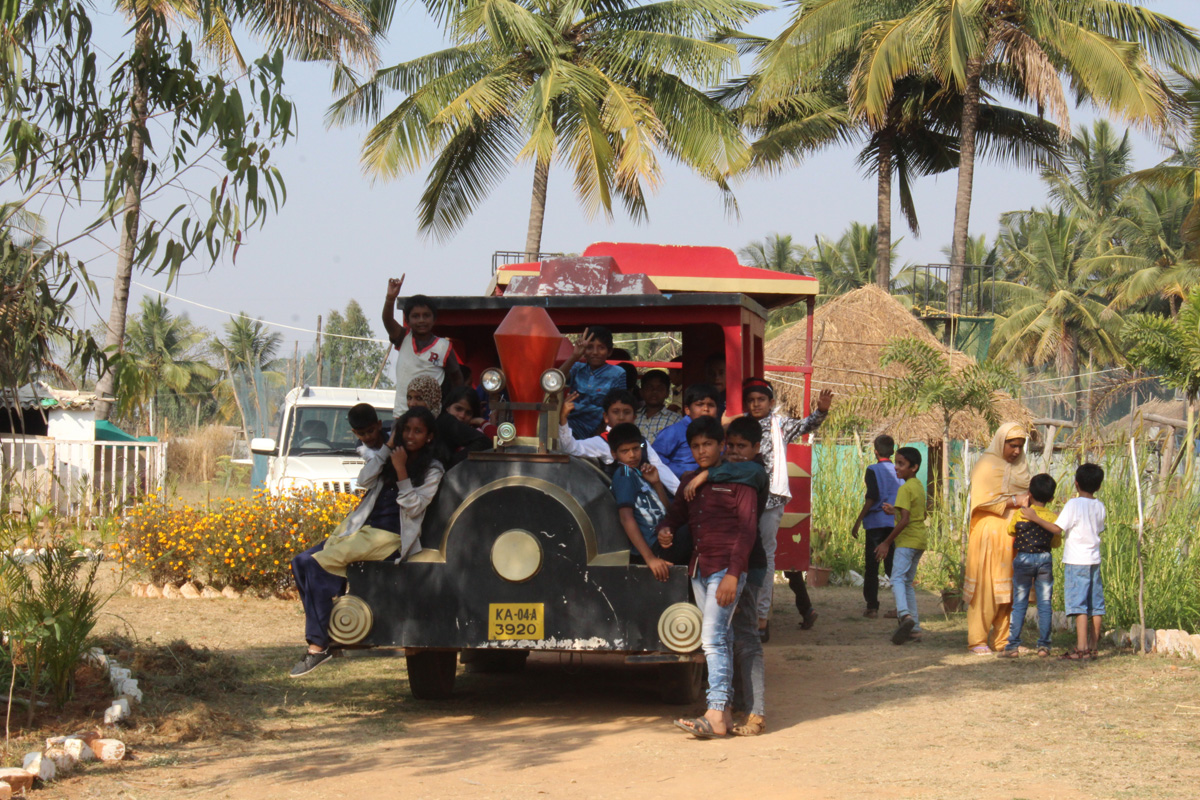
(819, 563)
(949, 580)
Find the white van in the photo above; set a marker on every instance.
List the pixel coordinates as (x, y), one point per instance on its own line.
(313, 447)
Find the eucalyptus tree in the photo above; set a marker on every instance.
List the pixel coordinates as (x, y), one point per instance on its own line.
(1111, 52)
(604, 87)
(152, 81)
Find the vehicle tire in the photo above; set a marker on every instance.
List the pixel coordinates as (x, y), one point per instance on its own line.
(431, 673)
(682, 683)
(494, 662)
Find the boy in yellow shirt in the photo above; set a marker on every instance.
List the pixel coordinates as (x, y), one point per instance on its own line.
(908, 536)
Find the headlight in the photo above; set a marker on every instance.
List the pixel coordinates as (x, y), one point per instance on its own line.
(492, 380)
(506, 432)
(553, 381)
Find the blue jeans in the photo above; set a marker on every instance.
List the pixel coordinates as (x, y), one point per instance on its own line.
(318, 589)
(904, 572)
(1035, 569)
(1083, 591)
(716, 636)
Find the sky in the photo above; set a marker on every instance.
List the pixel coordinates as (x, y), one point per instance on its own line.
(341, 234)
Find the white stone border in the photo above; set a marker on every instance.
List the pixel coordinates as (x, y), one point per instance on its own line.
(1164, 641)
(62, 754)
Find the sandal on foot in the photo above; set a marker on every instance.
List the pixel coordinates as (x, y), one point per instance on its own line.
(699, 727)
(980, 650)
(753, 726)
(1074, 655)
(1043, 652)
(1093, 655)
(1006, 653)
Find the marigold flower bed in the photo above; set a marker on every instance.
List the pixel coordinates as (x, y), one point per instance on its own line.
(246, 543)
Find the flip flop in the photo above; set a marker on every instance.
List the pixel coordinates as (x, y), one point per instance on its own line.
(699, 727)
(981, 650)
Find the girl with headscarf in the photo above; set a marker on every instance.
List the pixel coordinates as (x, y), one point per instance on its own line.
(997, 482)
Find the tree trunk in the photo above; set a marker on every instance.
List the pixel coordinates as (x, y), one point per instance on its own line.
(537, 210)
(966, 181)
(1078, 385)
(1189, 444)
(114, 338)
(883, 224)
(237, 400)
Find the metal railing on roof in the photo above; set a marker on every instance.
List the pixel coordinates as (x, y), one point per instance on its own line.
(928, 286)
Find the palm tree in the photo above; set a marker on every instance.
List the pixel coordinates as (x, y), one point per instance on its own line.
(930, 384)
(161, 354)
(1110, 50)
(1150, 261)
(1171, 348)
(849, 263)
(1087, 183)
(917, 136)
(1182, 167)
(776, 252)
(309, 29)
(250, 349)
(1054, 310)
(603, 86)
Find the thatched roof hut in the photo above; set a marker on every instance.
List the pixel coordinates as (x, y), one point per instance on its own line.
(848, 335)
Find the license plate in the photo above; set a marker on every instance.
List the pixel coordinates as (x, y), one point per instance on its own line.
(516, 621)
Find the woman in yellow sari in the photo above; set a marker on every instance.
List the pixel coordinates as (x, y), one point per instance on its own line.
(997, 481)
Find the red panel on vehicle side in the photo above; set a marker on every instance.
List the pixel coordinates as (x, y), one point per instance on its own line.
(792, 551)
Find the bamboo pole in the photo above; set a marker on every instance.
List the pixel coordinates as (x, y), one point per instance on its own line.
(1137, 482)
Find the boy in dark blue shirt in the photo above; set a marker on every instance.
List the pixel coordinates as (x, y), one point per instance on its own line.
(592, 378)
(641, 497)
(882, 485)
(700, 400)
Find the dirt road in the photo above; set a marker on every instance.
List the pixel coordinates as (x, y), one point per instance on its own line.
(849, 715)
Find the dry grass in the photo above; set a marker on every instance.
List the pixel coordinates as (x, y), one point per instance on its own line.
(193, 458)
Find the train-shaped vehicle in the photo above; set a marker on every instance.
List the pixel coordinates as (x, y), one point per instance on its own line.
(522, 548)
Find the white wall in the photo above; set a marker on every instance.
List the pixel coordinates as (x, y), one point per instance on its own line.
(74, 426)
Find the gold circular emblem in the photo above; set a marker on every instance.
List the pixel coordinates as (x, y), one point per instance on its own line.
(517, 555)
(351, 620)
(679, 627)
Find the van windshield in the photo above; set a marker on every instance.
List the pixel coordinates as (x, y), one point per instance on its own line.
(319, 430)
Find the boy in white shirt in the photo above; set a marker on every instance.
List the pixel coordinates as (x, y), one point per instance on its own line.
(1080, 522)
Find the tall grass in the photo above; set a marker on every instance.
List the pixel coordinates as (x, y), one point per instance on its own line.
(1171, 552)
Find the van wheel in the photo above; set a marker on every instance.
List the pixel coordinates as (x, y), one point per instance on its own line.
(495, 662)
(431, 673)
(682, 683)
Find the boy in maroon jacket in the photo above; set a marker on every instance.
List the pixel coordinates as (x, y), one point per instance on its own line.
(723, 520)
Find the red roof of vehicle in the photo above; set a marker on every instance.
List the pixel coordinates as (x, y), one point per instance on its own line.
(683, 268)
